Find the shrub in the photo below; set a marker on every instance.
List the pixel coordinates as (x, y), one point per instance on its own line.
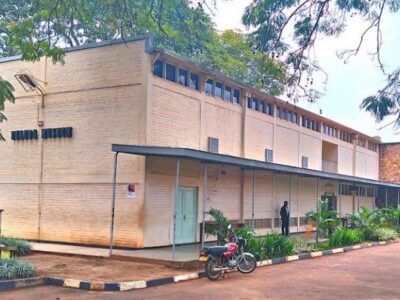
(383, 234)
(345, 237)
(16, 268)
(276, 245)
(23, 247)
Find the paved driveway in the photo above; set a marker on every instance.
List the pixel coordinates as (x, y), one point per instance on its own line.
(372, 273)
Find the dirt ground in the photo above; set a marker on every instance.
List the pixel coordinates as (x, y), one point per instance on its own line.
(371, 273)
(97, 269)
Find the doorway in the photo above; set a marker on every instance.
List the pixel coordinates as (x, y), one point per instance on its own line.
(186, 215)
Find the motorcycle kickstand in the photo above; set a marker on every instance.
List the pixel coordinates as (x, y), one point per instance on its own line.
(226, 274)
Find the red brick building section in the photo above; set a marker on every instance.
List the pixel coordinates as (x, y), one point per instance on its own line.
(389, 162)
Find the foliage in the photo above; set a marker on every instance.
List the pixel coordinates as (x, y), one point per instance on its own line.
(6, 94)
(301, 246)
(16, 268)
(219, 228)
(23, 247)
(276, 245)
(44, 27)
(388, 216)
(322, 246)
(309, 21)
(383, 234)
(324, 219)
(345, 237)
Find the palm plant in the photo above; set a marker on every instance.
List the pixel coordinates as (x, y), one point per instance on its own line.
(324, 219)
(365, 219)
(218, 228)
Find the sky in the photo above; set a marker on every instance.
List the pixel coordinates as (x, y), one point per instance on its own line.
(348, 84)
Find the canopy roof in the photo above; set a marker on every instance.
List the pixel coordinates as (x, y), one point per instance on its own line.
(250, 164)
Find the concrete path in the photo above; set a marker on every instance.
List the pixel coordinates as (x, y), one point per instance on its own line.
(370, 273)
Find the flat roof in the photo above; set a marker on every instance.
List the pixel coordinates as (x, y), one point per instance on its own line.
(245, 163)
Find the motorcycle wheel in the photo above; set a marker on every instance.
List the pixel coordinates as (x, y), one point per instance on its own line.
(246, 264)
(209, 269)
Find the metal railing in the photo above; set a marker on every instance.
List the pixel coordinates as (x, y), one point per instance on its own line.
(329, 166)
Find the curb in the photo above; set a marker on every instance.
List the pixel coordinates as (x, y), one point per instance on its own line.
(21, 283)
(141, 284)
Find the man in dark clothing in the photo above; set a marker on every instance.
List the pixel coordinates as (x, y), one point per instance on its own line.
(285, 216)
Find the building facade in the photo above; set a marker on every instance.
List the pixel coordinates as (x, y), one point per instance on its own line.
(57, 165)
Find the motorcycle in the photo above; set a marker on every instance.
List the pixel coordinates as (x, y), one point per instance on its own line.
(220, 259)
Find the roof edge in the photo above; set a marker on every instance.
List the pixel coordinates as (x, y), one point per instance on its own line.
(147, 37)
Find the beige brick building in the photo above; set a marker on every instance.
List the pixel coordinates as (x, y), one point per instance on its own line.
(56, 167)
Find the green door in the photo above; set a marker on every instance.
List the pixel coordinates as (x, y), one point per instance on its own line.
(186, 215)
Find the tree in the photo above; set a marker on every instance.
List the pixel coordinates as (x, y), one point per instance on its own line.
(39, 28)
(218, 228)
(309, 19)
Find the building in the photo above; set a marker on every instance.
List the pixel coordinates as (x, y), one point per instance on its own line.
(239, 150)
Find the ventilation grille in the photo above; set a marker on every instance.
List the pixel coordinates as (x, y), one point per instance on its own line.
(213, 145)
(304, 162)
(269, 155)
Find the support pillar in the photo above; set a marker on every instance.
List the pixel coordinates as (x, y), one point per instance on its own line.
(386, 199)
(113, 203)
(204, 206)
(176, 200)
(253, 198)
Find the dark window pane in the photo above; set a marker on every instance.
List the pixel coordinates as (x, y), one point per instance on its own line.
(254, 104)
(269, 109)
(262, 107)
(158, 68)
(249, 102)
(171, 73)
(183, 77)
(289, 116)
(227, 93)
(295, 118)
(218, 89)
(278, 111)
(194, 81)
(236, 96)
(209, 87)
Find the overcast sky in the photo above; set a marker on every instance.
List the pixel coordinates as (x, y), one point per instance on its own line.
(348, 83)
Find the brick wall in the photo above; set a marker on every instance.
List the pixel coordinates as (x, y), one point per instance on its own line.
(389, 162)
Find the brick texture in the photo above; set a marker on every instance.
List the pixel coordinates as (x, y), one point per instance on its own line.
(389, 162)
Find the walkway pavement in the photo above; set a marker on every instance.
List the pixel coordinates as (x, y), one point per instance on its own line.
(184, 253)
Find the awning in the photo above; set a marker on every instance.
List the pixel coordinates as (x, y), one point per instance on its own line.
(250, 164)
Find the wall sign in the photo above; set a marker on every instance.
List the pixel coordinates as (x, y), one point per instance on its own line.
(47, 133)
(131, 190)
(19, 135)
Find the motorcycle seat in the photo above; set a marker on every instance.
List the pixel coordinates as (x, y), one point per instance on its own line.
(216, 249)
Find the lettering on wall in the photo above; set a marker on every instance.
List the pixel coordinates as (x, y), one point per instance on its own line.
(46, 133)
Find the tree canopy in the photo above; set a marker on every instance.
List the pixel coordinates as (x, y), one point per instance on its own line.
(39, 28)
(306, 21)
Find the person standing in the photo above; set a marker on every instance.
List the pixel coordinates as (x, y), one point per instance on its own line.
(285, 217)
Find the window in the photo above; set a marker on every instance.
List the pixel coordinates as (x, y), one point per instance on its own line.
(218, 89)
(171, 73)
(158, 68)
(183, 77)
(254, 104)
(227, 93)
(269, 110)
(304, 162)
(370, 192)
(372, 146)
(289, 116)
(261, 107)
(278, 112)
(269, 155)
(249, 102)
(208, 86)
(295, 118)
(236, 96)
(194, 81)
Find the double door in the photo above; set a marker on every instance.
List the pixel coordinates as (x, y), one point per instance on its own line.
(186, 215)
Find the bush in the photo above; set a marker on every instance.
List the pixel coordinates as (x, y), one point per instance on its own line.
(15, 268)
(23, 247)
(276, 245)
(345, 237)
(383, 234)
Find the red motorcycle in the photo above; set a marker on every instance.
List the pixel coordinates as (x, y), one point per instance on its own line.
(219, 259)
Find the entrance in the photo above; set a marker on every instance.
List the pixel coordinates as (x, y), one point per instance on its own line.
(186, 215)
(332, 200)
